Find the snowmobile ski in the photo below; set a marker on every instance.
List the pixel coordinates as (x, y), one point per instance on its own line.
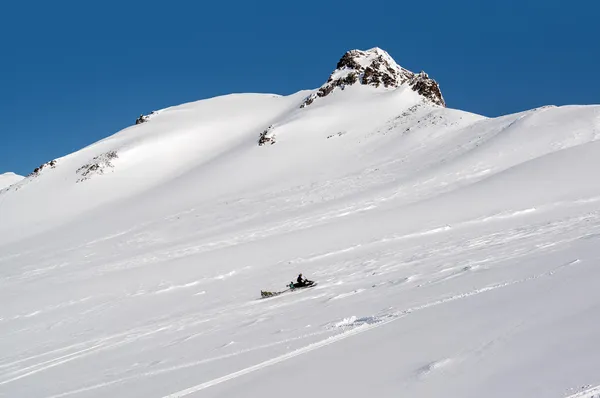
(311, 284)
(290, 288)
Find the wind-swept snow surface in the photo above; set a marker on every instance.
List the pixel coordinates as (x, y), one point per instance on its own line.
(457, 256)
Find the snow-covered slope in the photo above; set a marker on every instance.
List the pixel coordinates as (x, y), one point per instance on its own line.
(456, 254)
(7, 179)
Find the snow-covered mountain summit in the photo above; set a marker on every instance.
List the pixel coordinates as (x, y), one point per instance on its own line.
(376, 68)
(456, 255)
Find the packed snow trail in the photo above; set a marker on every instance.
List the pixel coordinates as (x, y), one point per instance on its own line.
(364, 325)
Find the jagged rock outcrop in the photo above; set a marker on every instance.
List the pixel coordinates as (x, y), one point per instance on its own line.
(97, 166)
(428, 88)
(36, 172)
(144, 118)
(141, 119)
(376, 68)
(266, 137)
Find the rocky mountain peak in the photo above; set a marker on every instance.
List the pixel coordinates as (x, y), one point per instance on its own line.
(375, 67)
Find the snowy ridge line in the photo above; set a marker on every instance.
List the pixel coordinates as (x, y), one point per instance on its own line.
(363, 327)
(593, 392)
(186, 365)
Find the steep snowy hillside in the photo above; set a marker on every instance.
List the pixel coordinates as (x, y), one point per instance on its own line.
(455, 255)
(7, 179)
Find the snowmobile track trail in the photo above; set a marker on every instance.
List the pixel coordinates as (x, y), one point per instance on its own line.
(364, 327)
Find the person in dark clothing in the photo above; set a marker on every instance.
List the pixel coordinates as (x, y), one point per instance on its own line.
(301, 282)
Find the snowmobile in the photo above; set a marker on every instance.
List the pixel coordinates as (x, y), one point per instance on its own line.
(302, 285)
(290, 288)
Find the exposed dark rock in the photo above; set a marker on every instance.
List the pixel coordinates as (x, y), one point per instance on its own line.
(351, 78)
(376, 68)
(266, 137)
(37, 171)
(97, 166)
(341, 133)
(428, 88)
(326, 89)
(348, 60)
(144, 118)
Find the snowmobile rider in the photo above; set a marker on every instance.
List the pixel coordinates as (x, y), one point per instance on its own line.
(301, 282)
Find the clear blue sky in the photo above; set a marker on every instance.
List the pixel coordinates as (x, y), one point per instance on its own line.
(73, 72)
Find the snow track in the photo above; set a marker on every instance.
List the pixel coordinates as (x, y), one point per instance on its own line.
(364, 326)
(183, 366)
(274, 361)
